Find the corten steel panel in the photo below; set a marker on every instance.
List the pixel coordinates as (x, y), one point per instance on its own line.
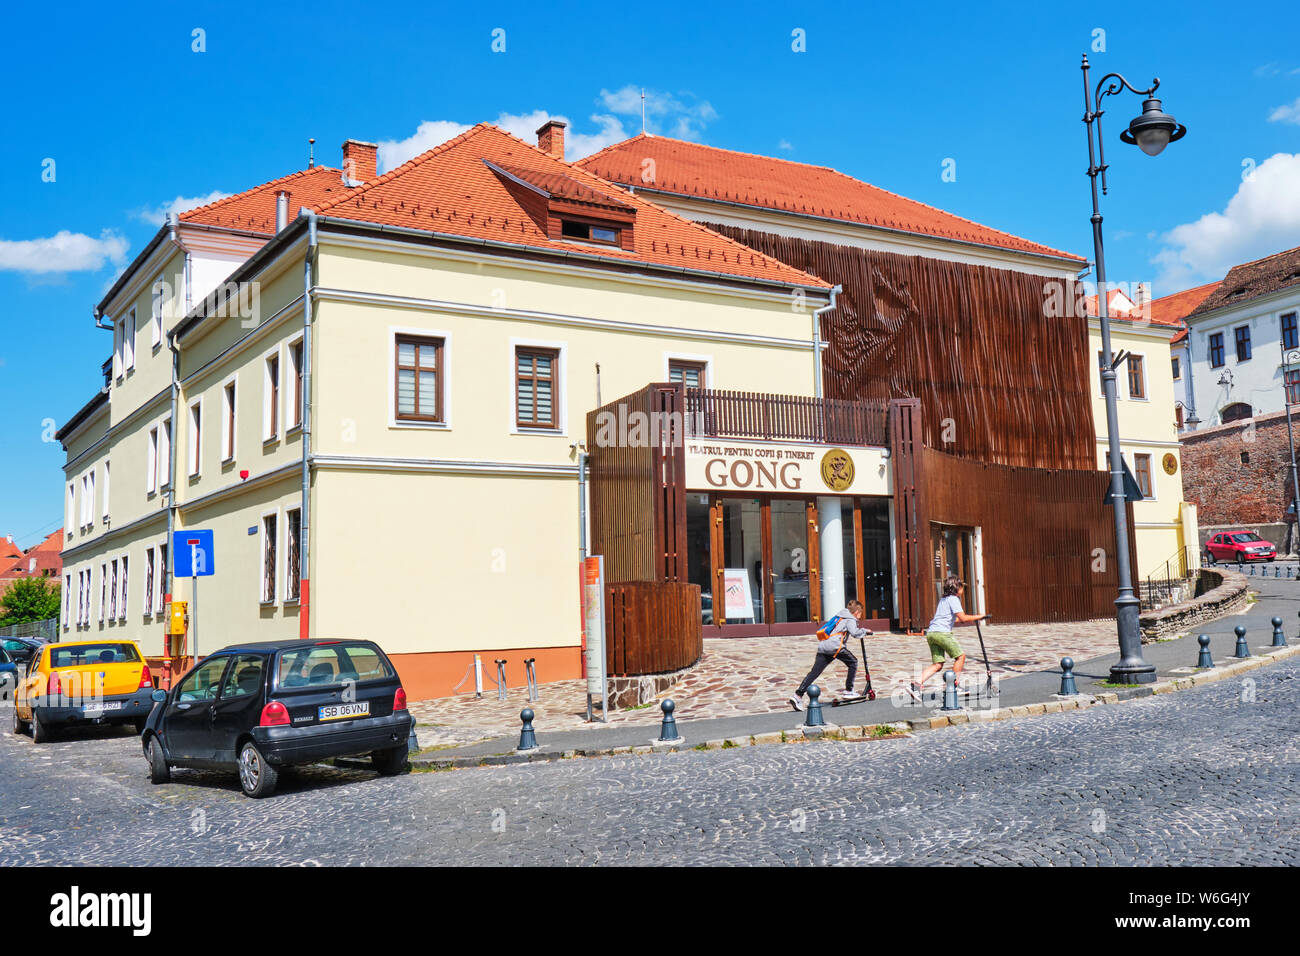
(1048, 539)
(912, 527)
(997, 377)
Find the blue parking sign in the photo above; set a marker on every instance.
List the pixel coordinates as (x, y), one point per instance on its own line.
(192, 552)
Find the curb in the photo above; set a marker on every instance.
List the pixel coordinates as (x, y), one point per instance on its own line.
(883, 731)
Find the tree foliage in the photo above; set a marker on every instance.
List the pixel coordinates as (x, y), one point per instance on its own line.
(29, 599)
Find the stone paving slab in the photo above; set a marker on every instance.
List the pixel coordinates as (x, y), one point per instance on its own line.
(747, 676)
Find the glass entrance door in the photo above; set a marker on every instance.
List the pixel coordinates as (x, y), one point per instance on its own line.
(791, 568)
(953, 554)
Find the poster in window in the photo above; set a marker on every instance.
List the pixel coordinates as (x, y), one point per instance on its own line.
(739, 601)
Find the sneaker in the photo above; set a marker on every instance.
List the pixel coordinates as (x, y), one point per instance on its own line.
(795, 702)
(914, 691)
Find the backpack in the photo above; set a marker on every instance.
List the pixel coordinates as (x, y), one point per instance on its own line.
(829, 626)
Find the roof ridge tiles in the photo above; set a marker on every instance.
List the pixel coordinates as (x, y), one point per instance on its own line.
(234, 197)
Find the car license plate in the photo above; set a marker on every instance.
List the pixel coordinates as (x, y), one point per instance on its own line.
(103, 706)
(344, 711)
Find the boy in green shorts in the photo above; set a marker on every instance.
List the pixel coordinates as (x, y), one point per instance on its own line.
(939, 634)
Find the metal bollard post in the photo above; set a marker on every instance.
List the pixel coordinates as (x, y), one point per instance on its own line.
(530, 669)
(1243, 649)
(1067, 678)
(814, 718)
(1277, 571)
(501, 678)
(1252, 570)
(1204, 660)
(949, 691)
(1279, 638)
(668, 728)
(527, 738)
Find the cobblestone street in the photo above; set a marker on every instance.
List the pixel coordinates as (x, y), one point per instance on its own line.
(755, 676)
(1210, 775)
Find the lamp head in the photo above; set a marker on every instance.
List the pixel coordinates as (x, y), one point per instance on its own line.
(1154, 129)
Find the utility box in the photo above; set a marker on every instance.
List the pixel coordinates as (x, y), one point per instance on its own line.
(178, 620)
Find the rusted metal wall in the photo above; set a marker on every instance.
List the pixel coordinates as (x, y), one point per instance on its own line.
(998, 379)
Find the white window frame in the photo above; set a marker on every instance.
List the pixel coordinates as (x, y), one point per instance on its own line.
(1146, 391)
(103, 589)
(272, 409)
(68, 520)
(128, 341)
(105, 491)
(85, 501)
(261, 562)
(151, 463)
(164, 453)
(393, 422)
(561, 385)
(150, 581)
(1153, 461)
(195, 462)
(287, 598)
(67, 599)
(160, 575)
(112, 593)
(119, 334)
(126, 591)
(293, 379)
(156, 313)
(229, 423)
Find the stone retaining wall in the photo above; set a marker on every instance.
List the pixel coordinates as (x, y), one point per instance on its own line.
(625, 692)
(1219, 592)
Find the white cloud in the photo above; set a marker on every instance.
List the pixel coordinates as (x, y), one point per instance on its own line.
(1262, 218)
(664, 114)
(158, 214)
(1286, 113)
(63, 252)
(785, 144)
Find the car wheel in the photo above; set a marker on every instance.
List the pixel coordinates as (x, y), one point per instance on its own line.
(1272, 559)
(390, 762)
(40, 733)
(159, 772)
(6, 687)
(257, 777)
(20, 726)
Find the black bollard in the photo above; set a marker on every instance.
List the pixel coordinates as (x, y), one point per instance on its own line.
(1279, 638)
(668, 728)
(1067, 677)
(949, 691)
(1204, 660)
(1277, 571)
(1252, 570)
(1243, 649)
(527, 738)
(814, 718)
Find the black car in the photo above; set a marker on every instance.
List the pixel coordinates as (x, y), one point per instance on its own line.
(259, 708)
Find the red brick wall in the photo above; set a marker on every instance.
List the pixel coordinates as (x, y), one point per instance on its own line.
(1228, 491)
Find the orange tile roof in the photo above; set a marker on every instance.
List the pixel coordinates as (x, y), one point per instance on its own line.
(254, 209)
(451, 189)
(1174, 308)
(691, 169)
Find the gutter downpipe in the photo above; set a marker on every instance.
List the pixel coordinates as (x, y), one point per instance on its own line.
(817, 340)
(172, 345)
(304, 549)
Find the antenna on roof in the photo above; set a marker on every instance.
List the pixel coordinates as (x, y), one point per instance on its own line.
(643, 111)
(311, 152)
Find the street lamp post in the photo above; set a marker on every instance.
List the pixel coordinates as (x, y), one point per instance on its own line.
(1151, 132)
(1290, 357)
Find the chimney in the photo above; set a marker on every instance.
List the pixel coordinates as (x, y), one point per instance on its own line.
(550, 138)
(360, 161)
(1143, 294)
(281, 209)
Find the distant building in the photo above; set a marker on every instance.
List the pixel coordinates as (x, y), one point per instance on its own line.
(43, 560)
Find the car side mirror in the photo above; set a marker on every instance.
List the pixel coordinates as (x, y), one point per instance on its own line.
(159, 696)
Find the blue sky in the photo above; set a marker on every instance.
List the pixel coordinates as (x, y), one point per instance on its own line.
(135, 119)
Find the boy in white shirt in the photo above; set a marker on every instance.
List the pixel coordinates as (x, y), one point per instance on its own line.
(939, 635)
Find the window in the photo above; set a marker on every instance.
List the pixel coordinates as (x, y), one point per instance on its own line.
(295, 407)
(165, 453)
(204, 681)
(118, 337)
(1290, 338)
(1242, 335)
(244, 677)
(1235, 412)
(81, 596)
(228, 422)
(1176, 368)
(151, 463)
(112, 594)
(70, 509)
(103, 591)
(1142, 472)
(149, 563)
(121, 604)
(128, 341)
(162, 577)
(419, 379)
(268, 559)
(196, 437)
(67, 601)
(1101, 368)
(589, 232)
(1292, 380)
(332, 664)
(1137, 387)
(1216, 350)
(156, 314)
(1178, 416)
(87, 505)
(106, 492)
(292, 553)
(536, 375)
(90, 499)
(1245, 458)
(271, 399)
(691, 374)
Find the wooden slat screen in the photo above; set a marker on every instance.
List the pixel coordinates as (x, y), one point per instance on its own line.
(652, 628)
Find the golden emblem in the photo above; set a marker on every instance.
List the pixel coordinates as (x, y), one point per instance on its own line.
(1170, 463)
(837, 469)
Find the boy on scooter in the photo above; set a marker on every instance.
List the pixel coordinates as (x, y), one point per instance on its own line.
(835, 634)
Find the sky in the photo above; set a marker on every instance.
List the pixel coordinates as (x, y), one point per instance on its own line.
(117, 113)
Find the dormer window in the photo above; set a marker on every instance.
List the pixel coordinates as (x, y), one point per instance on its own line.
(589, 232)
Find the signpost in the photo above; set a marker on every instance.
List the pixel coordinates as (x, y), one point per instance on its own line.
(593, 625)
(195, 558)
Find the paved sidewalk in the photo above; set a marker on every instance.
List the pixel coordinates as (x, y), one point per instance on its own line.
(746, 676)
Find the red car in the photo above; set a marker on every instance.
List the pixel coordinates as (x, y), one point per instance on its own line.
(1240, 546)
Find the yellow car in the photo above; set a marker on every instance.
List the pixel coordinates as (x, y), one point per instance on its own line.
(83, 682)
